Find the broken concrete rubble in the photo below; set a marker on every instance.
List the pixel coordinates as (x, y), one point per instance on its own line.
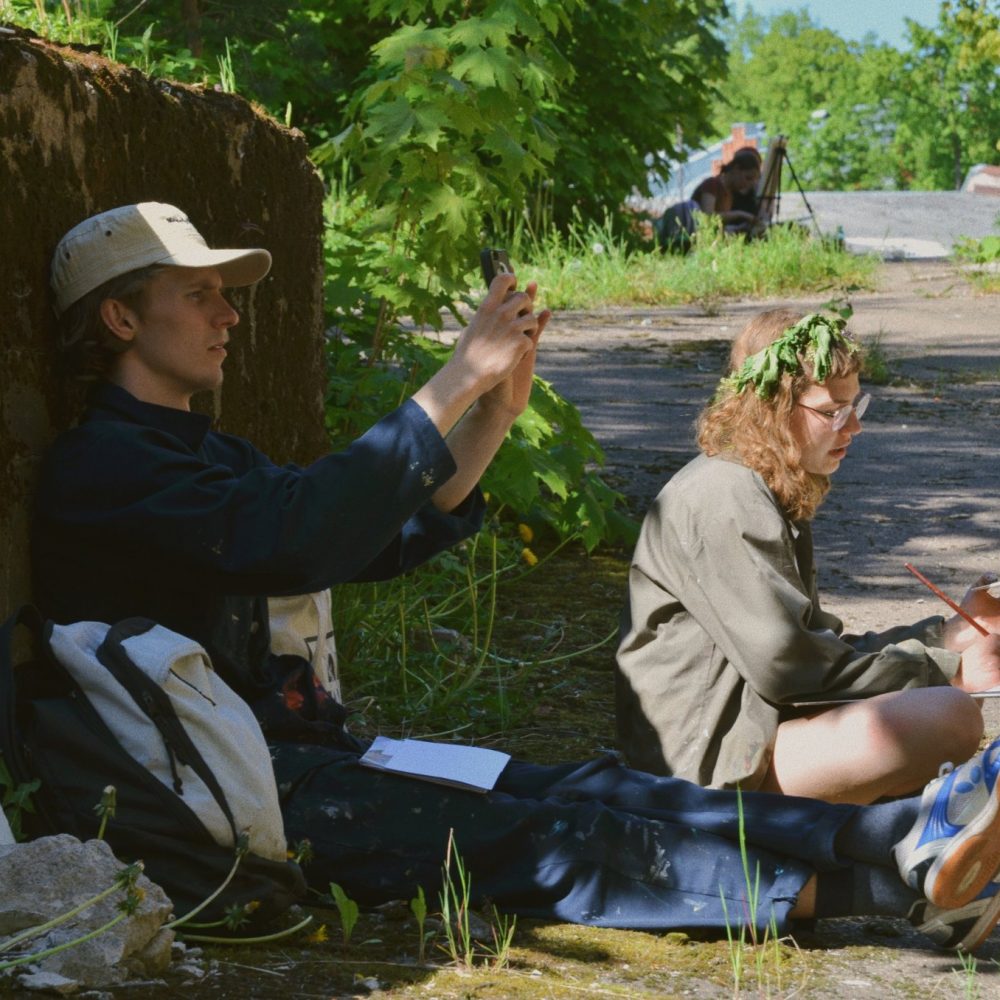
(50, 876)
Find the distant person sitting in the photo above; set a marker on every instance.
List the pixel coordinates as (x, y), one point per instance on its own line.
(730, 195)
(735, 183)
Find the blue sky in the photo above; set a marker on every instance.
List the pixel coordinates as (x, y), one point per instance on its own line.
(851, 19)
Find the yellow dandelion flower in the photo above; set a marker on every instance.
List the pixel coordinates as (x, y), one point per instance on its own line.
(529, 557)
(527, 535)
(318, 936)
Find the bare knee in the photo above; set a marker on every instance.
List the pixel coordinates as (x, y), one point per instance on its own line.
(934, 724)
(962, 719)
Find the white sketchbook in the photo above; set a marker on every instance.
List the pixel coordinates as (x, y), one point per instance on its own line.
(474, 768)
(981, 695)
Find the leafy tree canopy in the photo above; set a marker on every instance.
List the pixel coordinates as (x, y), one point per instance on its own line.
(866, 115)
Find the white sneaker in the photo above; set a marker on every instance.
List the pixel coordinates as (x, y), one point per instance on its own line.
(953, 850)
(964, 928)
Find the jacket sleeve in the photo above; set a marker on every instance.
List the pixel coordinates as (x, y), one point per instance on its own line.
(248, 526)
(733, 566)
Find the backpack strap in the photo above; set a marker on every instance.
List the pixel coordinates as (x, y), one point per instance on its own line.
(155, 703)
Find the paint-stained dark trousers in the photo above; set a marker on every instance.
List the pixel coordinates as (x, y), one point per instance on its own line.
(591, 843)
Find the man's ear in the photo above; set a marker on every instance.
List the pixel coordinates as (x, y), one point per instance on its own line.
(119, 319)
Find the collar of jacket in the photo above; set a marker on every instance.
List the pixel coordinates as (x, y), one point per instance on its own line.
(112, 402)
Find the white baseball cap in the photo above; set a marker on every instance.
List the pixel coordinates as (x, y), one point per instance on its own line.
(133, 236)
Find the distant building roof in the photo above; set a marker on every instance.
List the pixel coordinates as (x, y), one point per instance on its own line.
(982, 179)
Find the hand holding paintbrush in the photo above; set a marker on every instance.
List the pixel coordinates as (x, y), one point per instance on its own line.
(980, 666)
(947, 600)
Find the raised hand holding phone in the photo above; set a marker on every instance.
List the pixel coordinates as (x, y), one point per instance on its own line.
(493, 262)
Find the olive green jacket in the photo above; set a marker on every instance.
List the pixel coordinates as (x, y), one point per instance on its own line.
(723, 632)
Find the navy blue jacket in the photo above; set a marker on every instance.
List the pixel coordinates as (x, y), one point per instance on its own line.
(143, 510)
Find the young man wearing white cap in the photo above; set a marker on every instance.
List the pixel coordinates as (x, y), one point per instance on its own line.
(144, 511)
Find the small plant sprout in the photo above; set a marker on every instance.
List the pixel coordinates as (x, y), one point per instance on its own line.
(502, 927)
(970, 982)
(418, 907)
(111, 31)
(302, 852)
(455, 892)
(105, 809)
(748, 928)
(227, 75)
(16, 799)
(347, 909)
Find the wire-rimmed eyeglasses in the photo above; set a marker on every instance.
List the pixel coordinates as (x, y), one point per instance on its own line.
(838, 418)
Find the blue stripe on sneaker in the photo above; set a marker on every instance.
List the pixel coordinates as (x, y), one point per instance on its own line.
(938, 825)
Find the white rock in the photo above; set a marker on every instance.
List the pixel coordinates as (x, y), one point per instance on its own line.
(47, 877)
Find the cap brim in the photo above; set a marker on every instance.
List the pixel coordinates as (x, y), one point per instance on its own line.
(237, 267)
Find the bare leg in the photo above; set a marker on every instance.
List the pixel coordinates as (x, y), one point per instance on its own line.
(805, 905)
(891, 744)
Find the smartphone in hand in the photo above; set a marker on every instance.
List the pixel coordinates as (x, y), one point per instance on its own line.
(494, 262)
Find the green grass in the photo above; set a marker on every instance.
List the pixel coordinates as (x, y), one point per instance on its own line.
(980, 259)
(590, 267)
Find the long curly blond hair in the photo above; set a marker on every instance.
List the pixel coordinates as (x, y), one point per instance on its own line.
(758, 431)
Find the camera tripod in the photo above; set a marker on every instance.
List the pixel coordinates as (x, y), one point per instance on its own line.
(769, 188)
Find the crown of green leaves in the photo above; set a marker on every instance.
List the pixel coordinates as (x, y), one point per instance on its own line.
(814, 337)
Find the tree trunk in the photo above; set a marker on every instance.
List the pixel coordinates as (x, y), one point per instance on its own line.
(191, 14)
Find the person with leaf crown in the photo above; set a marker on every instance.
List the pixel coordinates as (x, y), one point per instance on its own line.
(730, 672)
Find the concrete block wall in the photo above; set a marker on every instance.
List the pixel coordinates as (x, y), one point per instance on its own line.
(79, 135)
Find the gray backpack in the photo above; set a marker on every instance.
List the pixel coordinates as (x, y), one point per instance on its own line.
(139, 707)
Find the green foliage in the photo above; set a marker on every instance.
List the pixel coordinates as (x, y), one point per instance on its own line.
(981, 251)
(418, 907)
(875, 368)
(980, 257)
(455, 895)
(542, 473)
(831, 98)
(445, 126)
(642, 74)
(16, 799)
(949, 110)
(422, 642)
